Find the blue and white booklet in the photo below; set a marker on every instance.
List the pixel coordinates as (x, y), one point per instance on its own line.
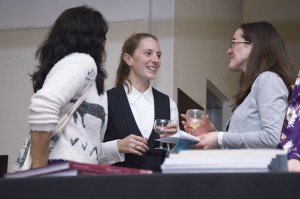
(182, 140)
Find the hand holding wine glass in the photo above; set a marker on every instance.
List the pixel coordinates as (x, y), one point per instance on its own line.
(195, 117)
(159, 127)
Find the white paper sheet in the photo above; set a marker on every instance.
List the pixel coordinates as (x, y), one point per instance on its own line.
(180, 135)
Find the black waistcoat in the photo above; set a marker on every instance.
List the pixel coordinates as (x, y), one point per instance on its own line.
(121, 123)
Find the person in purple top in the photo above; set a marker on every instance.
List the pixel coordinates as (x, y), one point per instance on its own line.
(290, 136)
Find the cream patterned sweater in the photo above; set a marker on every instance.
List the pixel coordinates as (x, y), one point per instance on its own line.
(80, 140)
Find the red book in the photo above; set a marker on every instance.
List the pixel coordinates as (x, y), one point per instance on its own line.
(63, 169)
(105, 169)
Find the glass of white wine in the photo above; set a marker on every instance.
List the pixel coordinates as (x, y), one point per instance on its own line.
(195, 117)
(159, 127)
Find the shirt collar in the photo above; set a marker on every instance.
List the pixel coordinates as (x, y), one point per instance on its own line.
(134, 94)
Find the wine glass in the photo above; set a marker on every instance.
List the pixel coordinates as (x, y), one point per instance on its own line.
(195, 117)
(159, 127)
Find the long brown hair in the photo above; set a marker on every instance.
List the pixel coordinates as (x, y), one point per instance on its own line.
(269, 53)
(129, 47)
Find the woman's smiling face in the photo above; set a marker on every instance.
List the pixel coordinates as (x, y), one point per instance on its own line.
(145, 61)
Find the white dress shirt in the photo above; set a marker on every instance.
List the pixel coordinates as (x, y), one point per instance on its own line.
(142, 107)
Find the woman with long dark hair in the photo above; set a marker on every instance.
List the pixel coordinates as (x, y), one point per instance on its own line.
(70, 58)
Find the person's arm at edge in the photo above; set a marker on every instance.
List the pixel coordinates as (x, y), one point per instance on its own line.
(110, 148)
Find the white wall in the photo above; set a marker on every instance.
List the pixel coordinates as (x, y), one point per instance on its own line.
(17, 60)
(284, 15)
(20, 14)
(202, 31)
(161, 24)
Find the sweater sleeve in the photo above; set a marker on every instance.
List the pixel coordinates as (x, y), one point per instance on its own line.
(110, 150)
(66, 81)
(270, 95)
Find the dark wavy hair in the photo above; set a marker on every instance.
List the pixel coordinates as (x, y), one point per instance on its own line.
(80, 29)
(269, 53)
(129, 47)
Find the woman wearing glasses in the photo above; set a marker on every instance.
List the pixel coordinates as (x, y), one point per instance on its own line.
(267, 73)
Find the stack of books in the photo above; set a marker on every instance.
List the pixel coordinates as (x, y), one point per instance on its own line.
(226, 161)
(74, 169)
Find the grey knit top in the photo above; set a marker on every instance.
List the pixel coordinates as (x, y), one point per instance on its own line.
(258, 120)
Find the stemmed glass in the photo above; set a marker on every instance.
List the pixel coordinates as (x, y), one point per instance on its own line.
(195, 117)
(159, 127)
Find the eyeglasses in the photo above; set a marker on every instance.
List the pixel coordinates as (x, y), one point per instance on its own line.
(234, 42)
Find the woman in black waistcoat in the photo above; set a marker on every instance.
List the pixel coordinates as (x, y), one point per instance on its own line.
(134, 104)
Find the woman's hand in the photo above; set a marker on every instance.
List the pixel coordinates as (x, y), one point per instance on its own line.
(294, 165)
(171, 129)
(40, 141)
(133, 144)
(207, 141)
(205, 127)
